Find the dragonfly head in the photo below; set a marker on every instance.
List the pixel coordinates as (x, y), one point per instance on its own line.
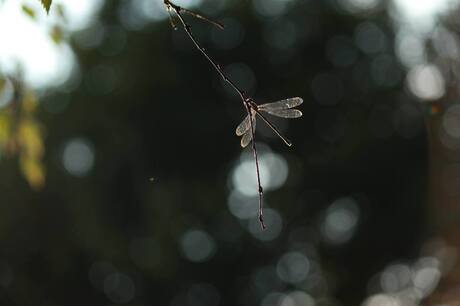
(252, 104)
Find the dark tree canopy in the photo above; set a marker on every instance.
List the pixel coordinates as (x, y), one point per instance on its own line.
(147, 197)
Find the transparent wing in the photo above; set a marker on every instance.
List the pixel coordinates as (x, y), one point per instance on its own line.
(282, 104)
(284, 113)
(247, 137)
(243, 127)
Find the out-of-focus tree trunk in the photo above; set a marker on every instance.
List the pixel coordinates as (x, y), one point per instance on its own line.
(444, 201)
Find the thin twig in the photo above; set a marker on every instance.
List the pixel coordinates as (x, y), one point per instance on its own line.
(256, 159)
(204, 18)
(247, 102)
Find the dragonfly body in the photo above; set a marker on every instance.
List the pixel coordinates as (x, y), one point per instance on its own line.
(283, 108)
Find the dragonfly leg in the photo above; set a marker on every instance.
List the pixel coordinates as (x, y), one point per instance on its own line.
(274, 129)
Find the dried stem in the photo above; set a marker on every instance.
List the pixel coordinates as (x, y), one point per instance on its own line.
(247, 102)
(204, 18)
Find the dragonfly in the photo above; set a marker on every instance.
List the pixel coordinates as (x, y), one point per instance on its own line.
(282, 108)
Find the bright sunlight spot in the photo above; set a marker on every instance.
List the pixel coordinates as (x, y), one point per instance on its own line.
(28, 47)
(273, 169)
(422, 14)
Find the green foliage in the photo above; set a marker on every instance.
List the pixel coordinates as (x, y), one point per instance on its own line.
(61, 12)
(21, 135)
(56, 34)
(46, 4)
(29, 11)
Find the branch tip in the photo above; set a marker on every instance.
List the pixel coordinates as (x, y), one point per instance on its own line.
(262, 223)
(246, 101)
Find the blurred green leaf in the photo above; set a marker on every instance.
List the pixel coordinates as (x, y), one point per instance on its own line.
(29, 102)
(32, 148)
(29, 11)
(33, 171)
(2, 84)
(46, 4)
(56, 34)
(30, 139)
(61, 11)
(5, 128)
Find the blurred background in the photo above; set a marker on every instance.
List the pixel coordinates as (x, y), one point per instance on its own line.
(123, 182)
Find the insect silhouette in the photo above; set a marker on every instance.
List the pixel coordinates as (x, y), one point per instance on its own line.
(282, 108)
(246, 129)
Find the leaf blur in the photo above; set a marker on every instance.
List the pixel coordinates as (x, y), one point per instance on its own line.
(362, 210)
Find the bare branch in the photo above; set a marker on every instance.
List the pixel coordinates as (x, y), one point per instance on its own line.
(247, 102)
(204, 18)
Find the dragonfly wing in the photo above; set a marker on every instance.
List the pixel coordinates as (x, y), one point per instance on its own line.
(284, 113)
(243, 127)
(282, 104)
(247, 137)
